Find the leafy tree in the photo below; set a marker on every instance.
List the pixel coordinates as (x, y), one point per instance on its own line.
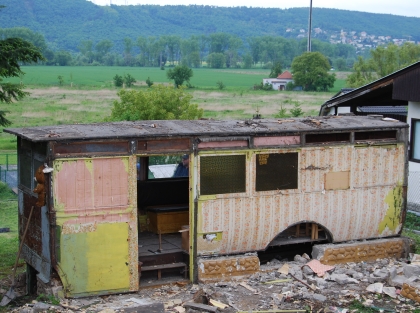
(149, 82)
(383, 61)
(340, 64)
(102, 48)
(118, 80)
(63, 58)
(310, 70)
(247, 61)
(275, 70)
(179, 74)
(129, 80)
(216, 60)
(157, 103)
(85, 48)
(12, 52)
(362, 75)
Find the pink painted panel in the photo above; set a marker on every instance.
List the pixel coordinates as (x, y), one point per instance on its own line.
(223, 144)
(74, 186)
(276, 141)
(111, 183)
(86, 185)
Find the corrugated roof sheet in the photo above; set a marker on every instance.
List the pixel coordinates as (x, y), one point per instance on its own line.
(179, 128)
(384, 109)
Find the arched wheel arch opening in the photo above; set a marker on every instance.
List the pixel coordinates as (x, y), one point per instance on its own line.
(298, 238)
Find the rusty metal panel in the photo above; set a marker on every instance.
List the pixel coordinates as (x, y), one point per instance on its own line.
(276, 141)
(36, 248)
(223, 144)
(97, 148)
(95, 203)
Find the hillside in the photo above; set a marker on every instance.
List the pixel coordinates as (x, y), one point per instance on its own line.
(66, 23)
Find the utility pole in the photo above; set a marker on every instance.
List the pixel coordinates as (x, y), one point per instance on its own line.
(310, 28)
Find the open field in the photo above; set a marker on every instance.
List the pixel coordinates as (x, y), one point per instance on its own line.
(87, 95)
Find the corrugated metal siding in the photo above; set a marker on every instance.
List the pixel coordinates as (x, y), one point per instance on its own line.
(249, 224)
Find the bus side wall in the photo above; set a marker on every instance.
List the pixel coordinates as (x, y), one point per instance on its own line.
(95, 202)
(370, 206)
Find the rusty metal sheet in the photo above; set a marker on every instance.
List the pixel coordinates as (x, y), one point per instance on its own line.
(36, 248)
(96, 148)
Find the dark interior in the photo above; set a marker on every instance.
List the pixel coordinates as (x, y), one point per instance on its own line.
(162, 192)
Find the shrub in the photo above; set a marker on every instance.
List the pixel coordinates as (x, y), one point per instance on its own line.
(129, 80)
(118, 80)
(149, 82)
(220, 85)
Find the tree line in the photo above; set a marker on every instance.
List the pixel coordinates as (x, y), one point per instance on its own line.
(217, 50)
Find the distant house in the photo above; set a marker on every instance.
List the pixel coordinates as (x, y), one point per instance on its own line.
(280, 82)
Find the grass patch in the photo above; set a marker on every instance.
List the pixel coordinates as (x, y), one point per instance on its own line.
(358, 307)
(8, 218)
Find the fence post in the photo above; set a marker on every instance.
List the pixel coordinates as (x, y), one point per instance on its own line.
(7, 163)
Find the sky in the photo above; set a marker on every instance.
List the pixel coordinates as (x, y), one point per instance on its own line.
(400, 7)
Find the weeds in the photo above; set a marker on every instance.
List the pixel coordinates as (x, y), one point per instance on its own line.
(360, 308)
(48, 299)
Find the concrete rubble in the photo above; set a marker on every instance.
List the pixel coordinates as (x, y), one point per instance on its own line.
(390, 285)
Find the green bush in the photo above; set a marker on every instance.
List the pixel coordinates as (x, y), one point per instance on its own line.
(118, 80)
(129, 80)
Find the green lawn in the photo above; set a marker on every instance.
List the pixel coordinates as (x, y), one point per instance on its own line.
(8, 219)
(102, 76)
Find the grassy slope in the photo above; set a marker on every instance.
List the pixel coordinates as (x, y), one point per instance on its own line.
(8, 241)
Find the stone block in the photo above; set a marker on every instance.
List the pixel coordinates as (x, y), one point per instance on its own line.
(225, 268)
(362, 251)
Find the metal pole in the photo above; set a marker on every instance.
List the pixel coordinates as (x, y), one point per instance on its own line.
(310, 28)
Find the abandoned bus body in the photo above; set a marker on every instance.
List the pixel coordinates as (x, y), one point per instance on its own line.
(109, 209)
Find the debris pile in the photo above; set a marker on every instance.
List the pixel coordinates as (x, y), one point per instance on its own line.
(302, 285)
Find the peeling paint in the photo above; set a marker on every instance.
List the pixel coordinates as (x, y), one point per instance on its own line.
(392, 219)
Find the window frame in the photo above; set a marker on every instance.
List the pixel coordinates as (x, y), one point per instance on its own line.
(225, 194)
(413, 126)
(276, 153)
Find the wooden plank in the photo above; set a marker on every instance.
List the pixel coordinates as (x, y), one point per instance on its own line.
(162, 266)
(199, 306)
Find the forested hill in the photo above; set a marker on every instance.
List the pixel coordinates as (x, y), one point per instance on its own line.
(66, 23)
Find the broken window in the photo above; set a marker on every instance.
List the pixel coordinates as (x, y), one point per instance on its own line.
(222, 174)
(25, 170)
(276, 171)
(326, 138)
(375, 135)
(163, 166)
